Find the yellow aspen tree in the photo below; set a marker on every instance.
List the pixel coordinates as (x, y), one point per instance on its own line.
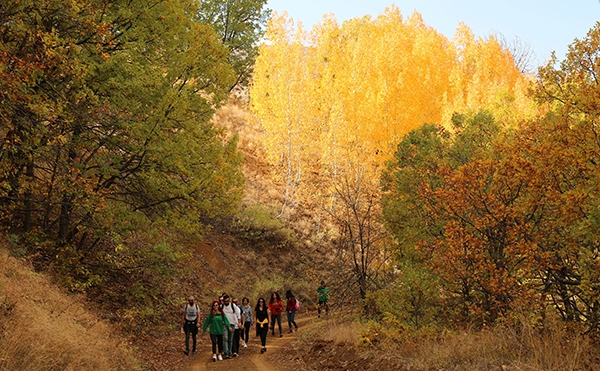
(280, 102)
(381, 78)
(341, 97)
(486, 77)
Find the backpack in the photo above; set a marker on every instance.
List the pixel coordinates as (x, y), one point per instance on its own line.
(297, 305)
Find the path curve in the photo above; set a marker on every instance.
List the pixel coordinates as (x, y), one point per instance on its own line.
(250, 359)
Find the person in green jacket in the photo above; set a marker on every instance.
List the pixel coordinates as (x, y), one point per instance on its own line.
(323, 298)
(215, 321)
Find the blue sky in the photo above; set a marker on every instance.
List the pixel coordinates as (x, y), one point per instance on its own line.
(545, 25)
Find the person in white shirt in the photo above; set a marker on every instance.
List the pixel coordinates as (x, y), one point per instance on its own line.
(232, 312)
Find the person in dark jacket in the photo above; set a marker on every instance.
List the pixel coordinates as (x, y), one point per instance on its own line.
(261, 316)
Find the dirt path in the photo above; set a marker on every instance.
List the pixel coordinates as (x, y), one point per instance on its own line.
(250, 358)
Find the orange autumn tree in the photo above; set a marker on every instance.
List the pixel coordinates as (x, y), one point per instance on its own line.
(509, 220)
(572, 151)
(518, 225)
(448, 202)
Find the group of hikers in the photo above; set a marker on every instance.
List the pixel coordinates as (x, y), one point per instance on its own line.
(229, 323)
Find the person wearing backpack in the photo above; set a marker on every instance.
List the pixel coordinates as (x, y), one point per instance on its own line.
(276, 308)
(217, 322)
(232, 312)
(190, 324)
(239, 328)
(291, 307)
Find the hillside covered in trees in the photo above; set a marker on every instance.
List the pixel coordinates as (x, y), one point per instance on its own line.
(444, 192)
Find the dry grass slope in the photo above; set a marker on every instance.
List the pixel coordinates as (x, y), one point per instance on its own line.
(43, 329)
(501, 348)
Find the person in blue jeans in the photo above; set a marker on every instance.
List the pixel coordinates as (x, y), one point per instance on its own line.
(248, 320)
(291, 310)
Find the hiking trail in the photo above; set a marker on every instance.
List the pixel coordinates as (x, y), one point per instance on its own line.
(250, 359)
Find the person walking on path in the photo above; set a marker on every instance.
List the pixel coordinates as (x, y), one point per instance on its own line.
(232, 312)
(238, 328)
(323, 298)
(217, 322)
(276, 308)
(291, 309)
(261, 315)
(248, 319)
(190, 324)
(221, 300)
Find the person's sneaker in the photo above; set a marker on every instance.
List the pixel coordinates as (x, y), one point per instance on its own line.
(186, 352)
(263, 350)
(245, 345)
(227, 356)
(234, 355)
(193, 352)
(214, 358)
(280, 335)
(220, 358)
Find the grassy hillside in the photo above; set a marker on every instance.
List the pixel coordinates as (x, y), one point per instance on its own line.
(44, 329)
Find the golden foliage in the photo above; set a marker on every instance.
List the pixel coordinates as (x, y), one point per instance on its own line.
(347, 94)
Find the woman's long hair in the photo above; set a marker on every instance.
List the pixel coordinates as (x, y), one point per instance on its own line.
(212, 309)
(276, 294)
(258, 304)
(288, 294)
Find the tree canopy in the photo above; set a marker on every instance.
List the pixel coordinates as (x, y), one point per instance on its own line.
(105, 118)
(240, 25)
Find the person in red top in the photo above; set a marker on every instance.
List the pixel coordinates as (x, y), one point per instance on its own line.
(291, 309)
(276, 308)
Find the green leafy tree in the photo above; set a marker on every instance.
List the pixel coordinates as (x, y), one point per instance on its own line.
(105, 117)
(240, 25)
